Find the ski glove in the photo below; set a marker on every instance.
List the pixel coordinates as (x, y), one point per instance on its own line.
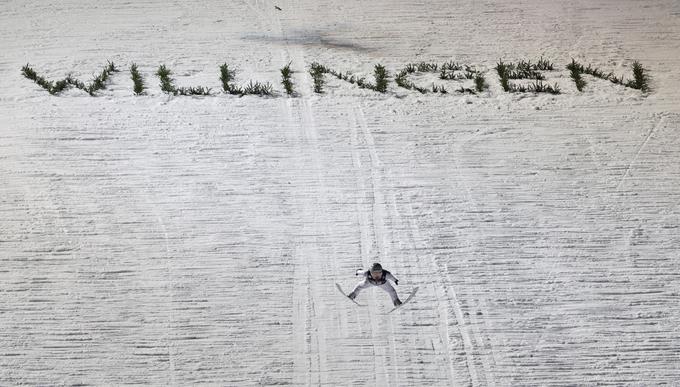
(396, 282)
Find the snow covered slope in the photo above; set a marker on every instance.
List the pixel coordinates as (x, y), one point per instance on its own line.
(196, 240)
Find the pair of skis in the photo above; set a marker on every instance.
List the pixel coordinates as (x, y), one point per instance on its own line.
(413, 293)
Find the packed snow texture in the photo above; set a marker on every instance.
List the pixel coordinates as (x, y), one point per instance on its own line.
(196, 240)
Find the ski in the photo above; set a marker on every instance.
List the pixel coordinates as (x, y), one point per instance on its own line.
(345, 294)
(413, 293)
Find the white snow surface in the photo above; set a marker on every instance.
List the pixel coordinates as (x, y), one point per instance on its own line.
(156, 240)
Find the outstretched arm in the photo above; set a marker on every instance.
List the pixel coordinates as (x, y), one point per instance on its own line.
(390, 277)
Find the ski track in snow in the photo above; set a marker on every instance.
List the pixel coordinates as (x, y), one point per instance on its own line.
(196, 241)
(637, 154)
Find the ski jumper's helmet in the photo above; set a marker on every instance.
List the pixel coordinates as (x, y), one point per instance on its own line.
(376, 267)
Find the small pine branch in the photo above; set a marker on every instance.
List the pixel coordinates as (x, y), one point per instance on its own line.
(575, 66)
(544, 65)
(456, 72)
(59, 86)
(99, 82)
(536, 87)
(226, 76)
(525, 73)
(425, 67)
(401, 81)
(640, 79)
(575, 73)
(502, 70)
(258, 88)
(29, 73)
(166, 82)
(348, 77)
(449, 75)
(137, 80)
(597, 73)
(168, 86)
(286, 79)
(480, 83)
(381, 78)
(194, 90)
(452, 66)
(361, 82)
(76, 83)
(617, 80)
(318, 67)
(111, 68)
(317, 72)
(540, 87)
(439, 89)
